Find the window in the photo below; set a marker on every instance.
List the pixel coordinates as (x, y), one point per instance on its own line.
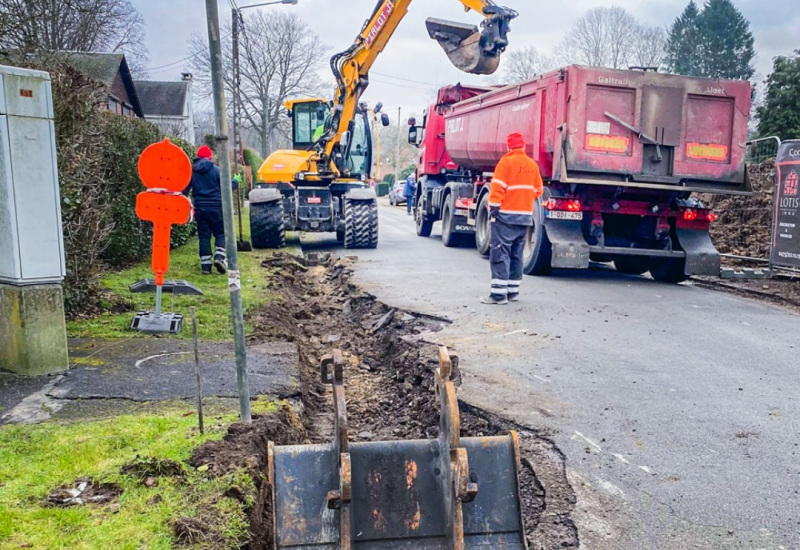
(360, 161)
(309, 121)
(112, 105)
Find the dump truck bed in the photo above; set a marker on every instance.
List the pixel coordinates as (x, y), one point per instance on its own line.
(603, 126)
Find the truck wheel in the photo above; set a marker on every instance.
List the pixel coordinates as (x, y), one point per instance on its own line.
(632, 265)
(267, 229)
(668, 270)
(449, 238)
(538, 250)
(424, 223)
(483, 229)
(360, 224)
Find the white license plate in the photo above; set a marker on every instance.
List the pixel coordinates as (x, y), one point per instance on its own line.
(561, 215)
(314, 200)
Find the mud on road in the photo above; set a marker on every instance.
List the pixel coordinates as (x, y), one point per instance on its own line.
(389, 379)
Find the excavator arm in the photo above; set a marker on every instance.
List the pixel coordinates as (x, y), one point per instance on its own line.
(470, 49)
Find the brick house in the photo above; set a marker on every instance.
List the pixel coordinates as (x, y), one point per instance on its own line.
(112, 70)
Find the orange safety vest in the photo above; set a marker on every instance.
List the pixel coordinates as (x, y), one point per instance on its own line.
(516, 185)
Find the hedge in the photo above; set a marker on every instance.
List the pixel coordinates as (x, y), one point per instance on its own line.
(97, 155)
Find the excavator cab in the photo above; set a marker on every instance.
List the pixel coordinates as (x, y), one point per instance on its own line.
(472, 50)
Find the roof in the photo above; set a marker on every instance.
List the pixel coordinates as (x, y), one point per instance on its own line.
(162, 98)
(100, 66)
(105, 67)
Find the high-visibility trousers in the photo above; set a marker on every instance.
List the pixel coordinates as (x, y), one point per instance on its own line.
(508, 243)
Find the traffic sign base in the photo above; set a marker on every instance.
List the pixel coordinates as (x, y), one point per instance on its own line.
(178, 287)
(149, 322)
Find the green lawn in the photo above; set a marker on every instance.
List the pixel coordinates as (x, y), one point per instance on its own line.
(34, 460)
(213, 309)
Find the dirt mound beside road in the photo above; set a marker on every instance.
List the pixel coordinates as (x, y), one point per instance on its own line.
(744, 227)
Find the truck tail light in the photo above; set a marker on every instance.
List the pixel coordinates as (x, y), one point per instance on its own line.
(570, 205)
(699, 214)
(463, 203)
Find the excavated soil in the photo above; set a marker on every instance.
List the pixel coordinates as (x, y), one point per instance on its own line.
(744, 228)
(389, 379)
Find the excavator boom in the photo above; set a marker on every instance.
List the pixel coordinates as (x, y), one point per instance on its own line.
(469, 49)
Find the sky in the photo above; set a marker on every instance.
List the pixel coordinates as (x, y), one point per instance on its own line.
(413, 66)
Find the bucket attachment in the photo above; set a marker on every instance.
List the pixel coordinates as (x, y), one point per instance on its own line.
(446, 493)
(472, 50)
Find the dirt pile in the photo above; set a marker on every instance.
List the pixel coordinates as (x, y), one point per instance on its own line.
(744, 227)
(389, 384)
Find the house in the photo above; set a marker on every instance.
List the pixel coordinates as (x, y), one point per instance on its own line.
(112, 70)
(169, 106)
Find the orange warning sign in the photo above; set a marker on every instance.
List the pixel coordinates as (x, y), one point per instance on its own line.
(166, 171)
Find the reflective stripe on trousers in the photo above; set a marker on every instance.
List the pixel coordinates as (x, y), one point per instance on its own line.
(508, 243)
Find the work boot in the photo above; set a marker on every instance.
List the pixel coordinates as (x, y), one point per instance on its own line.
(206, 269)
(494, 300)
(219, 263)
(513, 297)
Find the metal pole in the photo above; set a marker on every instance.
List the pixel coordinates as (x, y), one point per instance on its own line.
(197, 372)
(158, 300)
(399, 132)
(236, 83)
(223, 149)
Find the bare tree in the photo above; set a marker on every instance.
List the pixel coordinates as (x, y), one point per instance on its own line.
(648, 46)
(524, 64)
(601, 38)
(280, 58)
(73, 25)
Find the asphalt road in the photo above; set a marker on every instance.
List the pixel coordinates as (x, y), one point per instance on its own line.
(676, 407)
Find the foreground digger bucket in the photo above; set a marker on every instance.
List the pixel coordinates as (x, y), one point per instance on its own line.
(446, 493)
(472, 50)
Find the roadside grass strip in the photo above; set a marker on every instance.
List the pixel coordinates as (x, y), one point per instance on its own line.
(155, 494)
(213, 308)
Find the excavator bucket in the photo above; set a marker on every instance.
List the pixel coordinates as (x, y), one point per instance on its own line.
(462, 44)
(451, 492)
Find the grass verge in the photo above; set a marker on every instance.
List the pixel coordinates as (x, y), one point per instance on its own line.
(213, 308)
(35, 460)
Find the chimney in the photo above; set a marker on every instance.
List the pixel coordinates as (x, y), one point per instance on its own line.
(187, 77)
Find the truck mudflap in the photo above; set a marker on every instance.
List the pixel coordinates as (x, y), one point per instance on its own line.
(702, 258)
(570, 249)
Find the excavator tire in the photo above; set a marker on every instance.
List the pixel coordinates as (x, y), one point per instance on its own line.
(360, 223)
(267, 229)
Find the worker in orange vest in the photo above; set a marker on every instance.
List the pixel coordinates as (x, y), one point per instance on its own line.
(516, 185)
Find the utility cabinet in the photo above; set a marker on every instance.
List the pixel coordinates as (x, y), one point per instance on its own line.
(31, 240)
(33, 336)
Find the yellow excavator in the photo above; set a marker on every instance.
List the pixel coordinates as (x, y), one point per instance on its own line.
(319, 185)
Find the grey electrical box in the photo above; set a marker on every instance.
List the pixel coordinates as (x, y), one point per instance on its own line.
(31, 239)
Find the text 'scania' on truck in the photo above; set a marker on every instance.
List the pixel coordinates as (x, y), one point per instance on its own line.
(624, 156)
(319, 185)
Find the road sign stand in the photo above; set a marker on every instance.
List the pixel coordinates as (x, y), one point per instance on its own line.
(165, 170)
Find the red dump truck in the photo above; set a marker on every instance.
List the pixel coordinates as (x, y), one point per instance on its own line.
(623, 155)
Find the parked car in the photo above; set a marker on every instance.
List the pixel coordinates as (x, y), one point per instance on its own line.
(396, 197)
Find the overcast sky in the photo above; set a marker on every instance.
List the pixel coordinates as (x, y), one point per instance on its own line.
(412, 67)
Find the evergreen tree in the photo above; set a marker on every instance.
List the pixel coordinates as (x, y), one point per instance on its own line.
(780, 114)
(727, 42)
(715, 42)
(684, 48)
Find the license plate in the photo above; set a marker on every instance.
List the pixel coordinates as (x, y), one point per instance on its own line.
(314, 200)
(464, 213)
(561, 215)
